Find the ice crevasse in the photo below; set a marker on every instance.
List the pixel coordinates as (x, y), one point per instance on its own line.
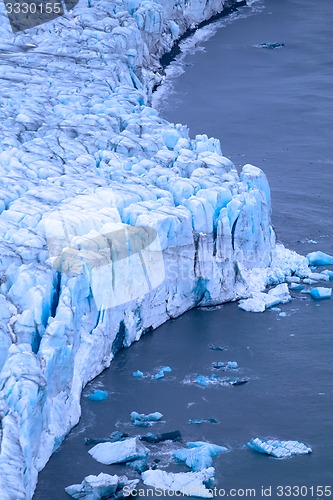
(112, 220)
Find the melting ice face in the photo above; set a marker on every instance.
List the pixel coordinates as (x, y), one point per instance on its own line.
(121, 262)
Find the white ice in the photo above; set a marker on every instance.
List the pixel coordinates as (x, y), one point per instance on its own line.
(187, 483)
(278, 449)
(119, 452)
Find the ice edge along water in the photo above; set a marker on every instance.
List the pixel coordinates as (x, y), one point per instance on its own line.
(83, 156)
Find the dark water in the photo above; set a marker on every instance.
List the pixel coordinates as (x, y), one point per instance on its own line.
(272, 108)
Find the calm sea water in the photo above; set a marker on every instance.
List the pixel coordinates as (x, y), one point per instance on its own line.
(272, 108)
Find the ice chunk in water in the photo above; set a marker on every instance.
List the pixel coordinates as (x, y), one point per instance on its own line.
(278, 449)
(199, 455)
(319, 259)
(98, 487)
(142, 420)
(321, 293)
(188, 483)
(121, 451)
(98, 395)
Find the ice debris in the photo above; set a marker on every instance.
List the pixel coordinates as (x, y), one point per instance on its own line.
(205, 381)
(198, 455)
(278, 449)
(187, 483)
(319, 259)
(259, 301)
(142, 420)
(231, 365)
(218, 347)
(164, 436)
(296, 286)
(98, 395)
(99, 487)
(321, 293)
(203, 421)
(118, 452)
(271, 45)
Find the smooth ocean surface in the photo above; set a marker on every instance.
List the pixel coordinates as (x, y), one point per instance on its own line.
(272, 108)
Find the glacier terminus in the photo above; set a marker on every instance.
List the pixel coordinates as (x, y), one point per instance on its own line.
(112, 221)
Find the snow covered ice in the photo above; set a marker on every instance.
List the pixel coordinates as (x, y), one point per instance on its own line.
(101, 486)
(118, 452)
(112, 219)
(188, 483)
(278, 449)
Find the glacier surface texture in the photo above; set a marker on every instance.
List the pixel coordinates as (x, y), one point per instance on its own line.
(112, 220)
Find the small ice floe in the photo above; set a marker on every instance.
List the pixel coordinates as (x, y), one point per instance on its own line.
(162, 371)
(319, 259)
(318, 277)
(321, 293)
(261, 300)
(230, 365)
(278, 449)
(98, 395)
(142, 420)
(203, 421)
(119, 452)
(101, 486)
(282, 314)
(198, 455)
(309, 281)
(138, 374)
(205, 381)
(188, 483)
(218, 347)
(296, 286)
(270, 45)
(164, 436)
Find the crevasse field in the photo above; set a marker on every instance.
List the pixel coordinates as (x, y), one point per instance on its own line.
(112, 219)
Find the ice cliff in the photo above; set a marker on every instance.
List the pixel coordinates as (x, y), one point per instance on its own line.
(112, 219)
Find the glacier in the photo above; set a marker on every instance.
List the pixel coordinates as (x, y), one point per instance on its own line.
(112, 220)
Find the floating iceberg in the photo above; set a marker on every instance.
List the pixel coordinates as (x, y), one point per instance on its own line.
(164, 436)
(98, 395)
(187, 483)
(232, 365)
(319, 259)
(99, 487)
(138, 374)
(321, 293)
(278, 449)
(142, 420)
(203, 420)
(118, 452)
(199, 455)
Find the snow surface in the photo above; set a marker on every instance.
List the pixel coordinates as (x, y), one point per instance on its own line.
(112, 219)
(118, 452)
(188, 483)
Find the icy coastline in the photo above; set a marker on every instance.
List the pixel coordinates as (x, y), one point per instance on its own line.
(83, 156)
